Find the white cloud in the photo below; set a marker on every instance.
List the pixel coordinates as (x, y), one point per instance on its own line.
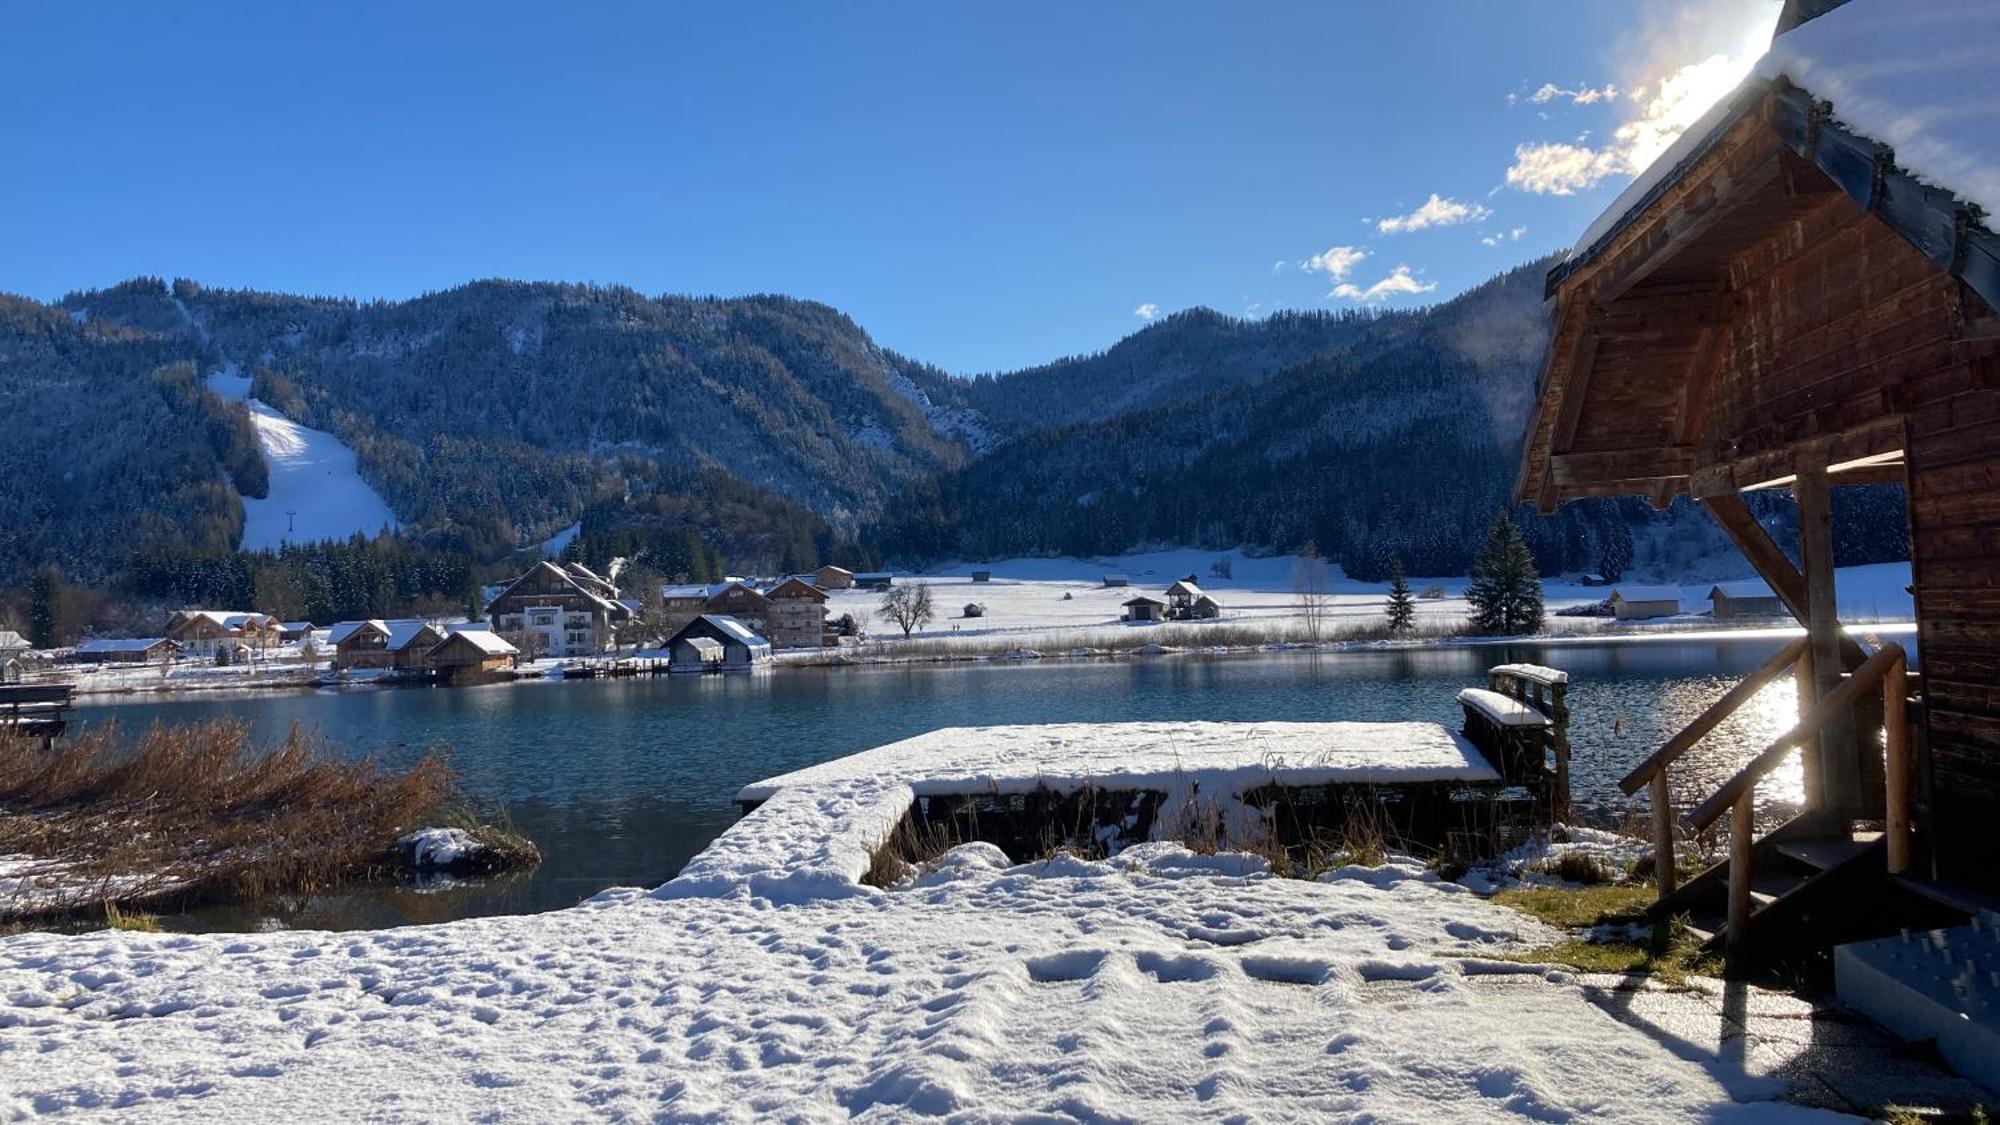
(1437, 211)
(1513, 235)
(1147, 311)
(1581, 95)
(1666, 109)
(1399, 283)
(1336, 262)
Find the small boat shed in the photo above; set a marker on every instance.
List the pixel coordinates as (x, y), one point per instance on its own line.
(1786, 301)
(730, 646)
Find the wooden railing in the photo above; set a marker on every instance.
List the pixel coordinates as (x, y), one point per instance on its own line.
(1653, 771)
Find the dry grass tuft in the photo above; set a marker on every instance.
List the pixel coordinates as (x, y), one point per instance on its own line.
(200, 811)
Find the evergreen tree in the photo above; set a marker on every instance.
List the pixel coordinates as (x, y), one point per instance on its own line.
(45, 608)
(1402, 605)
(1614, 545)
(1506, 593)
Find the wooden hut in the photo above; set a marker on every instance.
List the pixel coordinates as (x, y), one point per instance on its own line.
(1751, 598)
(1641, 603)
(833, 578)
(1143, 608)
(1783, 301)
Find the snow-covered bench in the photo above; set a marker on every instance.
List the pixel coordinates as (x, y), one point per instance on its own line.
(1518, 720)
(1501, 710)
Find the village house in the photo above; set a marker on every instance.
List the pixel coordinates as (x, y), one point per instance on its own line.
(558, 611)
(796, 617)
(1640, 603)
(1186, 601)
(833, 578)
(1751, 598)
(199, 631)
(125, 650)
(12, 644)
(713, 642)
(292, 632)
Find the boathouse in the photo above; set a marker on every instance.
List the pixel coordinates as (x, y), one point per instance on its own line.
(1801, 295)
(741, 648)
(1640, 603)
(1749, 599)
(470, 653)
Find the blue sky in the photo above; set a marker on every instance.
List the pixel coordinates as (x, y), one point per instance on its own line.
(981, 187)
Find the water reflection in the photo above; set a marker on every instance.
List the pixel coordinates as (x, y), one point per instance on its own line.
(621, 781)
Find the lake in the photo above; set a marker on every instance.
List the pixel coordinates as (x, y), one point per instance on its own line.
(621, 781)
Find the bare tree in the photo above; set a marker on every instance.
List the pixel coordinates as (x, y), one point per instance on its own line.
(908, 606)
(1313, 583)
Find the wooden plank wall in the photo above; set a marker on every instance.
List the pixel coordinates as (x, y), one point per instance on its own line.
(1954, 453)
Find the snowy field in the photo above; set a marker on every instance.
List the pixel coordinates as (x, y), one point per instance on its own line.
(1159, 985)
(316, 488)
(1025, 601)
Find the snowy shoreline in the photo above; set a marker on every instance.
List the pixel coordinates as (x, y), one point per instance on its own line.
(766, 980)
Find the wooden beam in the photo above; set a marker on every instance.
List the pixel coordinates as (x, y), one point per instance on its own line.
(1840, 762)
(1688, 222)
(1570, 405)
(1604, 466)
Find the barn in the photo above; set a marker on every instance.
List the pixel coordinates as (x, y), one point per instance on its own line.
(1801, 295)
(1639, 603)
(1749, 599)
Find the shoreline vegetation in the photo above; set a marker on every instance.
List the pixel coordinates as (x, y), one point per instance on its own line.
(106, 824)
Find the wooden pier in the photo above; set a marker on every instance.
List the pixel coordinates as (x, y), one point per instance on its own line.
(35, 710)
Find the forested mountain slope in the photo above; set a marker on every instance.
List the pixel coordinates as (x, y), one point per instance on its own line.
(1400, 444)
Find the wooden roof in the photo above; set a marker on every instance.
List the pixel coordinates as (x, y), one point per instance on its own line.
(1785, 292)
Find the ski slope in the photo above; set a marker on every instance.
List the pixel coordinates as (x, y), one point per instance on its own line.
(316, 487)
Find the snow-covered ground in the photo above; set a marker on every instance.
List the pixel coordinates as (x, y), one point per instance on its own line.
(1159, 985)
(316, 488)
(1025, 600)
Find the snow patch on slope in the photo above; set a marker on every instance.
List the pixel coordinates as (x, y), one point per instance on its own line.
(946, 421)
(556, 544)
(316, 487)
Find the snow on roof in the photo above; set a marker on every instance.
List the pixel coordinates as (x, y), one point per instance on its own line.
(121, 644)
(295, 626)
(1648, 594)
(1504, 710)
(684, 591)
(1534, 673)
(736, 630)
(401, 633)
(1184, 588)
(485, 640)
(1916, 75)
(10, 639)
(707, 646)
(1744, 588)
(339, 632)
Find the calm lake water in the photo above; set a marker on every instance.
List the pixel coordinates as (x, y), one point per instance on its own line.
(621, 781)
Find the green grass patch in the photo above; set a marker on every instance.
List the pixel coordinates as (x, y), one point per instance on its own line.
(1580, 906)
(1670, 956)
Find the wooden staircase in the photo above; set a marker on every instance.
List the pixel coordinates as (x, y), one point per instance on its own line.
(1806, 879)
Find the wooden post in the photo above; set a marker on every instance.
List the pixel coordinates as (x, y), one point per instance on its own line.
(1810, 780)
(1663, 835)
(1559, 720)
(1840, 763)
(1741, 824)
(1896, 763)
